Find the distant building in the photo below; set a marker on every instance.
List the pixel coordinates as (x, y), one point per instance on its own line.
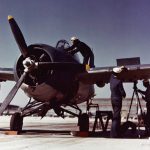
(10, 109)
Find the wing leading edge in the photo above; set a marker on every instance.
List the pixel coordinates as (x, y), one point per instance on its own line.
(102, 74)
(6, 74)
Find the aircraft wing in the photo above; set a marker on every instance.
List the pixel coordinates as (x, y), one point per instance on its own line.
(102, 74)
(6, 74)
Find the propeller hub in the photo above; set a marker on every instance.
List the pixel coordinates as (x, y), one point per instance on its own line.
(28, 64)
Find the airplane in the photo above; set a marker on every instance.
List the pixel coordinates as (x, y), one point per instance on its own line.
(54, 79)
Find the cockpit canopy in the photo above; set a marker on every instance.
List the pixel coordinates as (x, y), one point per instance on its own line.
(62, 45)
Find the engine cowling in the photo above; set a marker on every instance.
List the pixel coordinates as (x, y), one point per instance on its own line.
(59, 79)
(37, 53)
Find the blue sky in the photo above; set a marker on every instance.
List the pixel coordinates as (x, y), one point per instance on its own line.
(112, 28)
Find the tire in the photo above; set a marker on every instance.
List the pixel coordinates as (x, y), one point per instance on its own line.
(16, 122)
(83, 122)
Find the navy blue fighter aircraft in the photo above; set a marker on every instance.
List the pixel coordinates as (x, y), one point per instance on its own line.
(53, 79)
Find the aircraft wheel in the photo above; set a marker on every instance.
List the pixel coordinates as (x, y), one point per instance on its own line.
(16, 122)
(83, 122)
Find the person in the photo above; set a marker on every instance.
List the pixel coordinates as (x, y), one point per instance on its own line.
(146, 97)
(84, 49)
(117, 94)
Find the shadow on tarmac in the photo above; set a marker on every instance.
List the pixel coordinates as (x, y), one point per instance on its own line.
(98, 134)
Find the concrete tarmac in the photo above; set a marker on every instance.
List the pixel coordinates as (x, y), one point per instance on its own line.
(55, 134)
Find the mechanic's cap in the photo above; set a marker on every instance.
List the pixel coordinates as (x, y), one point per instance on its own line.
(73, 38)
(118, 69)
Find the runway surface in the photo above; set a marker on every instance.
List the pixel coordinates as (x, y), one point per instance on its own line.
(54, 134)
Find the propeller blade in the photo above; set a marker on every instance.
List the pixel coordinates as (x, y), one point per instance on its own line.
(18, 36)
(12, 93)
(67, 66)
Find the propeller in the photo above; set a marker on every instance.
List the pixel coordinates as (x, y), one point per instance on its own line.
(27, 64)
(65, 66)
(24, 51)
(18, 36)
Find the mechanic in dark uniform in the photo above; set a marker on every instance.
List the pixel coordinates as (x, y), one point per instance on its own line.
(84, 49)
(146, 97)
(117, 94)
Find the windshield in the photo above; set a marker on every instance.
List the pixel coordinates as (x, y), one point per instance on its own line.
(62, 44)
